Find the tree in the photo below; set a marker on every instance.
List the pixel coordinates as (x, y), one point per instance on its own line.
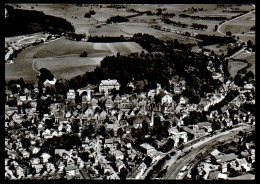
(87, 15)
(148, 160)
(92, 12)
(61, 86)
(85, 156)
(75, 127)
(45, 74)
(249, 76)
(249, 44)
(228, 33)
(238, 80)
(84, 54)
(120, 132)
(26, 143)
(145, 126)
(216, 28)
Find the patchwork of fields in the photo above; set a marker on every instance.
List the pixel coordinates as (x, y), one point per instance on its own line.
(62, 56)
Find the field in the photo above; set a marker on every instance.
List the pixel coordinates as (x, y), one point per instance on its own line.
(216, 48)
(241, 27)
(234, 66)
(250, 57)
(75, 14)
(61, 57)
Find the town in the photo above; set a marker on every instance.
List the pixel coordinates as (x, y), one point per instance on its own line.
(157, 92)
(112, 136)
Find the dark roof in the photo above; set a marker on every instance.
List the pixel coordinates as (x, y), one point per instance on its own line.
(161, 94)
(139, 119)
(213, 175)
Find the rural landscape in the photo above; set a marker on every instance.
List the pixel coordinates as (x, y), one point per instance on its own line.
(130, 91)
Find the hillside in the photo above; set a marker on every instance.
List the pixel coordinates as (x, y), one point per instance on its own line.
(20, 22)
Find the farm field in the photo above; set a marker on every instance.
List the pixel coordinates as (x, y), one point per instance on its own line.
(75, 14)
(234, 66)
(249, 56)
(62, 58)
(240, 26)
(216, 48)
(136, 24)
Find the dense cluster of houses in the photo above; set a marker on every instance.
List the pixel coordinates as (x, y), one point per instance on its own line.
(229, 166)
(114, 112)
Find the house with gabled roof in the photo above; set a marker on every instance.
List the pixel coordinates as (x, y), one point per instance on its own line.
(119, 164)
(137, 121)
(119, 155)
(72, 170)
(38, 168)
(107, 85)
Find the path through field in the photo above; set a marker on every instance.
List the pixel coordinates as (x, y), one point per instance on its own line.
(62, 58)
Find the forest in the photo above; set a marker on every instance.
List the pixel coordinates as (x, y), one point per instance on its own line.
(20, 22)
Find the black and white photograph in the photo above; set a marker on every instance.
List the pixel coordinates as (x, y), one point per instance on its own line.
(129, 91)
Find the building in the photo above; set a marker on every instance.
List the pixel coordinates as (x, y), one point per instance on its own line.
(176, 135)
(163, 97)
(71, 95)
(72, 170)
(226, 158)
(107, 85)
(147, 148)
(88, 91)
(49, 83)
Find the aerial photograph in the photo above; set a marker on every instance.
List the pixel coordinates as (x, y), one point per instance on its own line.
(129, 91)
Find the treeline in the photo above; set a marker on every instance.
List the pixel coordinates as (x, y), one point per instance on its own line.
(117, 19)
(107, 39)
(183, 25)
(234, 11)
(149, 67)
(233, 50)
(168, 15)
(75, 36)
(116, 6)
(216, 18)
(20, 22)
(174, 23)
(149, 43)
(159, 65)
(212, 39)
(199, 26)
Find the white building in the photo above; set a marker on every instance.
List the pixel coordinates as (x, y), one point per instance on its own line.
(176, 135)
(71, 95)
(107, 85)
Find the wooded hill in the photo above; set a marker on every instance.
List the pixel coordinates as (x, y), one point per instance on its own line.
(20, 22)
